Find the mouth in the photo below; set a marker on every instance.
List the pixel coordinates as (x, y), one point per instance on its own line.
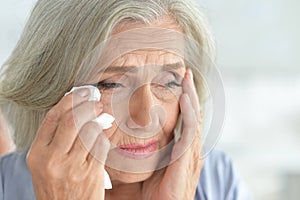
(138, 151)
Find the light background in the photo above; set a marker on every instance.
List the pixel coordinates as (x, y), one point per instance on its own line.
(258, 43)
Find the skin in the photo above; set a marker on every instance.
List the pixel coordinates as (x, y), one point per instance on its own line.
(6, 143)
(140, 104)
(64, 157)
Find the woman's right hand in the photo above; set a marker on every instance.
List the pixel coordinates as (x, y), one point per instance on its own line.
(66, 157)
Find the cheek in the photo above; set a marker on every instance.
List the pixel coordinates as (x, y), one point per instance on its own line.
(172, 113)
(106, 100)
(171, 108)
(107, 108)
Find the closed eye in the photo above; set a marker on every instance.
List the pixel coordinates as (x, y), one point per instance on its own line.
(108, 85)
(168, 79)
(173, 84)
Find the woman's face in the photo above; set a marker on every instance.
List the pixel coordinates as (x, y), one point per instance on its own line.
(141, 89)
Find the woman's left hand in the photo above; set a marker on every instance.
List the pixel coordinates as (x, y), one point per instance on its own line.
(180, 179)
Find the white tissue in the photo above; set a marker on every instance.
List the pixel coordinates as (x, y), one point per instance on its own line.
(95, 93)
(105, 120)
(107, 182)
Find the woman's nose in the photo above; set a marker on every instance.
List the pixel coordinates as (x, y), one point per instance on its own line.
(140, 105)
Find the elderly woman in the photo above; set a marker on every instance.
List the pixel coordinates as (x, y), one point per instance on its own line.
(136, 54)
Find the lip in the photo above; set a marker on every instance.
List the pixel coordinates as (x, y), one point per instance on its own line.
(138, 151)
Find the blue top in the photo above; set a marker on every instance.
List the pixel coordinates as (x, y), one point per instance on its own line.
(218, 180)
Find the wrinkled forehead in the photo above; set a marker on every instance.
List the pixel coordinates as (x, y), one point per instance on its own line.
(149, 57)
(143, 46)
(134, 47)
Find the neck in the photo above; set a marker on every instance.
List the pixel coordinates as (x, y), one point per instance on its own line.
(124, 191)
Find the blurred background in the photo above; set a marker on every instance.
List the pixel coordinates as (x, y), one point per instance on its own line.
(258, 44)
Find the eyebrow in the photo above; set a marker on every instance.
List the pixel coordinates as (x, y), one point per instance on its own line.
(134, 69)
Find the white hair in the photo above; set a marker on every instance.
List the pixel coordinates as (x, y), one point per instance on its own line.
(57, 37)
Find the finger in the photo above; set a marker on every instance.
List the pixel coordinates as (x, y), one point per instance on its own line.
(182, 176)
(49, 125)
(189, 88)
(97, 158)
(188, 114)
(177, 176)
(85, 141)
(185, 162)
(98, 153)
(189, 127)
(72, 122)
(95, 161)
(191, 123)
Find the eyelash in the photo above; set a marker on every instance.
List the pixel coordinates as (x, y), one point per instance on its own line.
(113, 85)
(173, 84)
(108, 85)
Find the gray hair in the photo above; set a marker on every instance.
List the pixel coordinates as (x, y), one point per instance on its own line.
(59, 34)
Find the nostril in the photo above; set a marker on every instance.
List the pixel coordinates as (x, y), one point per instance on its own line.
(132, 124)
(153, 127)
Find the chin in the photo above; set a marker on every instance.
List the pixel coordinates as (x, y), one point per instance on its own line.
(124, 177)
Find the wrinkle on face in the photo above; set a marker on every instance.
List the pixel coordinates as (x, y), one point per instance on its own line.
(165, 21)
(147, 63)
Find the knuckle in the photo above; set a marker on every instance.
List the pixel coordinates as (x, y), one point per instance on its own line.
(48, 167)
(52, 168)
(69, 120)
(75, 177)
(31, 160)
(78, 175)
(52, 116)
(51, 172)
